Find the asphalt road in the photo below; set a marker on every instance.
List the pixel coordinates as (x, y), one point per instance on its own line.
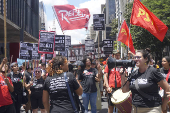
(103, 110)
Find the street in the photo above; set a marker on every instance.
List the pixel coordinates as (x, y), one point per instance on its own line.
(103, 110)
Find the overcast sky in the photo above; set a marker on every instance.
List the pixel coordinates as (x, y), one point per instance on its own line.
(94, 7)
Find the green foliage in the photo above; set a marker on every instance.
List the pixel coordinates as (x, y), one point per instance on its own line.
(141, 37)
(115, 45)
(114, 26)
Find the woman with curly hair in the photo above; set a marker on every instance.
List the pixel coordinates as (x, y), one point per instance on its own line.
(55, 87)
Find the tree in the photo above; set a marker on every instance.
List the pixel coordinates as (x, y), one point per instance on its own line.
(141, 37)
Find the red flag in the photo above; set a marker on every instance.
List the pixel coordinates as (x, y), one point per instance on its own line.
(142, 17)
(125, 38)
(71, 18)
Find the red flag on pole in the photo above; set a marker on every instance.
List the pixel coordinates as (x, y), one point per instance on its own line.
(144, 18)
(71, 18)
(125, 38)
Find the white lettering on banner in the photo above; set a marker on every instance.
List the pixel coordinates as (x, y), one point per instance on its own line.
(76, 14)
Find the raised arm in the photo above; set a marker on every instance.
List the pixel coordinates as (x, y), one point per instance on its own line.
(4, 61)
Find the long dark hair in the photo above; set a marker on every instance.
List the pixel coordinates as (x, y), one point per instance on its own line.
(84, 60)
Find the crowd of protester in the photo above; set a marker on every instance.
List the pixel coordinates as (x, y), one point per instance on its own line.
(44, 87)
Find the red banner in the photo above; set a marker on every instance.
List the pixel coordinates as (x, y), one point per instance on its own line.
(71, 18)
(125, 38)
(144, 18)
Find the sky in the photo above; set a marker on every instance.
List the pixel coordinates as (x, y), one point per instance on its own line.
(94, 7)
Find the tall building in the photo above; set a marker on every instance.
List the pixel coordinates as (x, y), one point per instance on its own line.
(110, 11)
(92, 33)
(42, 16)
(22, 24)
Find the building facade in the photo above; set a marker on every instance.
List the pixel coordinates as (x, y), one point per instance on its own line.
(22, 21)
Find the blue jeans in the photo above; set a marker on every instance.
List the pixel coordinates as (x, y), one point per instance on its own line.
(92, 97)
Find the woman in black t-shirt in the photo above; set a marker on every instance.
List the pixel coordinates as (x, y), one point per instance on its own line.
(55, 87)
(88, 78)
(36, 87)
(148, 79)
(165, 70)
(16, 78)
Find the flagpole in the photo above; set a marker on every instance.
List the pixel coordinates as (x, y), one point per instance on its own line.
(57, 20)
(5, 34)
(129, 37)
(98, 49)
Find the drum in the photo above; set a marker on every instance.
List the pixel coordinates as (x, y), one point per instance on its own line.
(123, 101)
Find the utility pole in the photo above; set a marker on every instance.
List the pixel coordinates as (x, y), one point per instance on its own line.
(119, 43)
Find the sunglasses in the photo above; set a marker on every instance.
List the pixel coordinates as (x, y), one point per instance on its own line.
(37, 71)
(137, 57)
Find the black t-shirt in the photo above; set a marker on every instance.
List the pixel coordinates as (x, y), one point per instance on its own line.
(147, 82)
(37, 87)
(57, 89)
(88, 80)
(28, 76)
(17, 82)
(164, 73)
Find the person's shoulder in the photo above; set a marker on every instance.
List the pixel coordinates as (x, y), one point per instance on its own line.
(151, 68)
(92, 69)
(70, 75)
(49, 78)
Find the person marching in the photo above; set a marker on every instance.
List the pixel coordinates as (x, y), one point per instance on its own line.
(109, 80)
(36, 87)
(6, 86)
(144, 84)
(88, 78)
(16, 78)
(55, 87)
(165, 70)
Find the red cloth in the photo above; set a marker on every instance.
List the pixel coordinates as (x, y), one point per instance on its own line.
(125, 38)
(112, 77)
(104, 62)
(144, 18)
(5, 96)
(71, 18)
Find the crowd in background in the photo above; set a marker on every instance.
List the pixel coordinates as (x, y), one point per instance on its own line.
(45, 87)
